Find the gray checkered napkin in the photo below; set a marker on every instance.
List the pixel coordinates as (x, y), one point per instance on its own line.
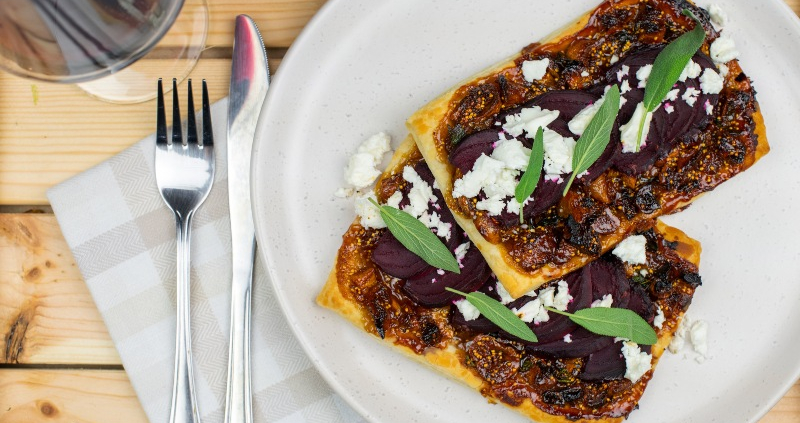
(123, 238)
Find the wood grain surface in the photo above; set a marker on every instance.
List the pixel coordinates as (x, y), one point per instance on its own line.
(57, 361)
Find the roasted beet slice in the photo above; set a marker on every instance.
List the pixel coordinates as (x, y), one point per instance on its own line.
(608, 278)
(467, 151)
(605, 364)
(583, 343)
(394, 259)
(428, 288)
(671, 121)
(641, 303)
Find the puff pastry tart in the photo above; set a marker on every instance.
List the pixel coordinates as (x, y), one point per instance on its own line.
(570, 374)
(707, 130)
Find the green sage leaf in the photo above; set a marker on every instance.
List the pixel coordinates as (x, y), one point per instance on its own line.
(616, 322)
(595, 138)
(527, 184)
(418, 238)
(498, 314)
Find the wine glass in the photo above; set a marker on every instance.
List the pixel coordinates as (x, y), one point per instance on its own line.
(99, 43)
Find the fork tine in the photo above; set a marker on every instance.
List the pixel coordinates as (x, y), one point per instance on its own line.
(208, 132)
(161, 118)
(191, 125)
(177, 135)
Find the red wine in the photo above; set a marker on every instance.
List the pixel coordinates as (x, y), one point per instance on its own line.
(78, 40)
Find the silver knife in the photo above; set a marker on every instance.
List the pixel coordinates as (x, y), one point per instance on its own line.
(249, 83)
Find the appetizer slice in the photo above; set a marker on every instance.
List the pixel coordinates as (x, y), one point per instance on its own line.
(659, 157)
(570, 372)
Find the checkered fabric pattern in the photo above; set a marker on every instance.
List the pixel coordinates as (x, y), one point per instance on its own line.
(123, 238)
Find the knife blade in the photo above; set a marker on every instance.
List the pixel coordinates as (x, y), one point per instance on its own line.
(248, 89)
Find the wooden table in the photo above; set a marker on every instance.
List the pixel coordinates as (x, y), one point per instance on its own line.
(57, 362)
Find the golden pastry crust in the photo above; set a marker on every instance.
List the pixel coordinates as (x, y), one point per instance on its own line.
(427, 125)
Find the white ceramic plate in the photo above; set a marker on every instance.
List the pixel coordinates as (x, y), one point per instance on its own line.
(363, 66)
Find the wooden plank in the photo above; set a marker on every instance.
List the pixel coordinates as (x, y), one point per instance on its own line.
(280, 21)
(64, 131)
(787, 410)
(68, 396)
(46, 312)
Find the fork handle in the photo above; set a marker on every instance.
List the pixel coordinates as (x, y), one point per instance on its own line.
(184, 402)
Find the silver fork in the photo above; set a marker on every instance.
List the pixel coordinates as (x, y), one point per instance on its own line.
(184, 174)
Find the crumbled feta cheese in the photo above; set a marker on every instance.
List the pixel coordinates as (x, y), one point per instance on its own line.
(496, 176)
(693, 331)
(376, 146)
(632, 250)
(709, 107)
(420, 195)
(568, 338)
(344, 192)
(485, 171)
(533, 70)
(505, 297)
(723, 50)
(690, 96)
(360, 171)
(562, 297)
(624, 87)
(606, 301)
(723, 70)
(659, 320)
(558, 153)
(369, 214)
(434, 221)
(513, 154)
(556, 296)
(711, 82)
(637, 363)
(680, 335)
(623, 72)
(690, 71)
(584, 74)
(493, 205)
(614, 59)
(643, 74)
(698, 335)
(461, 252)
(469, 311)
(669, 108)
(718, 16)
(529, 120)
(532, 312)
(630, 131)
(672, 95)
(395, 199)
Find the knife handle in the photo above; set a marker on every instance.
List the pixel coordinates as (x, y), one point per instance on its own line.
(238, 398)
